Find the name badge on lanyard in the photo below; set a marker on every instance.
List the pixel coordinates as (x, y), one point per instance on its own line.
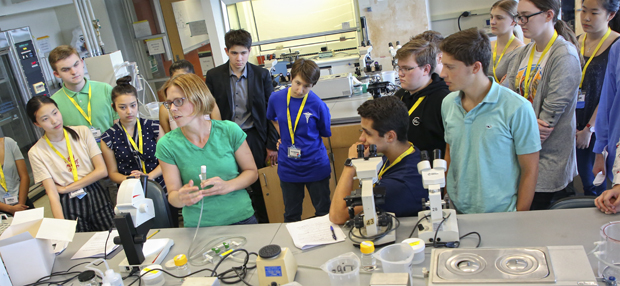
(294, 152)
(10, 200)
(96, 133)
(79, 194)
(581, 99)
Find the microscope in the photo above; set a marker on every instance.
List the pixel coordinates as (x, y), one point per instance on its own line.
(133, 219)
(371, 224)
(439, 224)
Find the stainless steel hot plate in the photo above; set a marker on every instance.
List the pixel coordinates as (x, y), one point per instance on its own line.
(511, 265)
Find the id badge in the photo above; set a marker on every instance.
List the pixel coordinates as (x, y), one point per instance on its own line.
(96, 133)
(581, 99)
(79, 194)
(10, 200)
(294, 152)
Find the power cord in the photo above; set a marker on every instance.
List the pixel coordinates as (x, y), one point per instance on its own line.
(240, 271)
(389, 228)
(59, 273)
(464, 14)
(416, 225)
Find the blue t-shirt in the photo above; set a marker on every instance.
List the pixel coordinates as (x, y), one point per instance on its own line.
(485, 143)
(219, 157)
(128, 159)
(315, 122)
(403, 187)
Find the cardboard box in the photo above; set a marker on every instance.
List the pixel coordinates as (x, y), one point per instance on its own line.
(26, 245)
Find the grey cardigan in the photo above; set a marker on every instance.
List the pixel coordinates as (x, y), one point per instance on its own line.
(555, 102)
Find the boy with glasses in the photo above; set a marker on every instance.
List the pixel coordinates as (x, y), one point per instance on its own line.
(422, 91)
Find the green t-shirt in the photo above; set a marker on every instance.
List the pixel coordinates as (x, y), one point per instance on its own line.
(219, 157)
(103, 115)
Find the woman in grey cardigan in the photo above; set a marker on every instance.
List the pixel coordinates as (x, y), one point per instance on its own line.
(547, 73)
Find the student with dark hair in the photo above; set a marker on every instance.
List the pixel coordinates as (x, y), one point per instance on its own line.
(181, 65)
(130, 144)
(435, 38)
(80, 100)
(422, 91)
(503, 23)
(384, 124)
(241, 91)
(68, 162)
(595, 46)
(547, 73)
(165, 119)
(491, 132)
(302, 119)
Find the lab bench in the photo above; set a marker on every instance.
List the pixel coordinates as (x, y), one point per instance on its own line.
(510, 229)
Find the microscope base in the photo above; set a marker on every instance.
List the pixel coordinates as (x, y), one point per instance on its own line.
(387, 239)
(155, 250)
(449, 229)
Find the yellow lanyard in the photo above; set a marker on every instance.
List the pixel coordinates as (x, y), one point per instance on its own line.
(88, 117)
(133, 143)
(416, 104)
(403, 155)
(291, 130)
(71, 159)
(495, 63)
(528, 80)
(2, 180)
(583, 43)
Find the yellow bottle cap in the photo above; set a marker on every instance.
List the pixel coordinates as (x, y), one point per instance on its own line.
(367, 247)
(180, 260)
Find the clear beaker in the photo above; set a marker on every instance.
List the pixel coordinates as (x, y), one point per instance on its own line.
(610, 250)
(343, 270)
(396, 258)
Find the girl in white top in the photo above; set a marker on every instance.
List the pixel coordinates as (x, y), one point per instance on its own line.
(68, 162)
(503, 23)
(14, 178)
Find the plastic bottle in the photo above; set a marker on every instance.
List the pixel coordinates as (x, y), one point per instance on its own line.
(112, 278)
(369, 263)
(180, 261)
(611, 281)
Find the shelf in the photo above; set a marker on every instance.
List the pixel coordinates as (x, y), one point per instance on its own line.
(306, 36)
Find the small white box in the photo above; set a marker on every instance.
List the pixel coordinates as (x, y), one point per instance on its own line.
(26, 245)
(106, 68)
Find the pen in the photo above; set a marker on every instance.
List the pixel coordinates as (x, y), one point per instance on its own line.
(333, 233)
(154, 233)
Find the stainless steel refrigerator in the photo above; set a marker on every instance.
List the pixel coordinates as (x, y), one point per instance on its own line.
(21, 78)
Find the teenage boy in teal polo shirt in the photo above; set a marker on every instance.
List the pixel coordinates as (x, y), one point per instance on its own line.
(491, 132)
(81, 101)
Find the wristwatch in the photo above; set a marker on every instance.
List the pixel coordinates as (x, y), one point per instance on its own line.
(348, 162)
(590, 127)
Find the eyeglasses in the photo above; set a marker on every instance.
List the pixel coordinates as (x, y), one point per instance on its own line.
(525, 19)
(178, 102)
(405, 69)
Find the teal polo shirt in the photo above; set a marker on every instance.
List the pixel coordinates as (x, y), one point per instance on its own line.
(484, 143)
(103, 115)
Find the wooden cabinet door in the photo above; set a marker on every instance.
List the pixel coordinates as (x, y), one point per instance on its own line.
(270, 182)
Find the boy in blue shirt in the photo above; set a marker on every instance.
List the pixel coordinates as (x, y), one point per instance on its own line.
(491, 132)
(385, 122)
(302, 118)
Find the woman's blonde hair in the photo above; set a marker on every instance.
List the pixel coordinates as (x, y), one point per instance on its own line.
(195, 91)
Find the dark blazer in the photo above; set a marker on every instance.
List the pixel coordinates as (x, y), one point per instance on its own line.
(259, 90)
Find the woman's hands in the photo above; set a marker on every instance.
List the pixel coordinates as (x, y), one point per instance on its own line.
(190, 194)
